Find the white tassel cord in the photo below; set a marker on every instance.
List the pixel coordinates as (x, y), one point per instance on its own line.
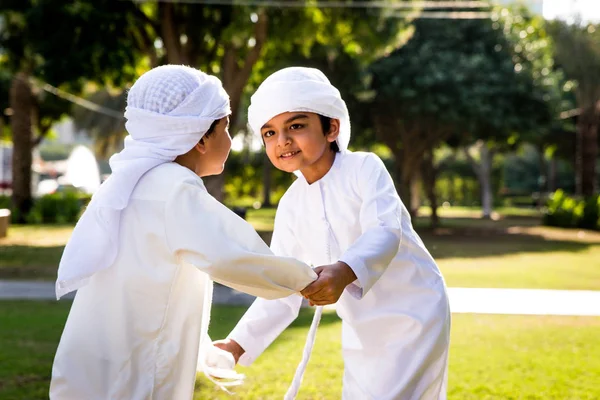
(308, 346)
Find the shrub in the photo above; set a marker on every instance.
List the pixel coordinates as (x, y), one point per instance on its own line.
(569, 212)
(591, 213)
(57, 208)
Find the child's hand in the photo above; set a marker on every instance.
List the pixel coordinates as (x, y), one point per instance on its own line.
(230, 346)
(330, 284)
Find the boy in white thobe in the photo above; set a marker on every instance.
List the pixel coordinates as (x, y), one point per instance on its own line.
(143, 254)
(344, 214)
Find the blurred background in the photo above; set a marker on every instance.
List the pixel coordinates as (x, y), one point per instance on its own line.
(486, 114)
(471, 103)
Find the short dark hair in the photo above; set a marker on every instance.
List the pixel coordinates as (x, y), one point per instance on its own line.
(326, 124)
(210, 130)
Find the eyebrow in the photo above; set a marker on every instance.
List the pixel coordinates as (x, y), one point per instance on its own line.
(287, 121)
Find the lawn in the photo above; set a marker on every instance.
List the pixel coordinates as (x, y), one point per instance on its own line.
(492, 356)
(32, 252)
(513, 251)
(526, 257)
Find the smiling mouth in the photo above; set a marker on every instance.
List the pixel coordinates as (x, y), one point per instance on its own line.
(289, 154)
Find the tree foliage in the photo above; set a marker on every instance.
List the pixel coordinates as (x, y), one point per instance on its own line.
(578, 54)
(458, 81)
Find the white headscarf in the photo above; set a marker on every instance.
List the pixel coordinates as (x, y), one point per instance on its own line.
(169, 109)
(299, 89)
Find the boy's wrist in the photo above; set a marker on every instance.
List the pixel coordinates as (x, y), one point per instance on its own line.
(232, 347)
(238, 350)
(349, 274)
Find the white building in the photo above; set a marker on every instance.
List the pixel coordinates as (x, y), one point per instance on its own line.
(586, 10)
(67, 134)
(536, 6)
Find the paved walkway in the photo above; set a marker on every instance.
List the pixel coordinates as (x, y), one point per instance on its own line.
(462, 300)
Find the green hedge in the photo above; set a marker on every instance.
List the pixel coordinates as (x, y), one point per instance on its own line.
(567, 211)
(56, 208)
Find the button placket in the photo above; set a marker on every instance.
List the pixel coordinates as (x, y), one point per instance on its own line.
(325, 223)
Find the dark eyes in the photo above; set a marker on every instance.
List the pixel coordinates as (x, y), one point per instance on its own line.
(292, 127)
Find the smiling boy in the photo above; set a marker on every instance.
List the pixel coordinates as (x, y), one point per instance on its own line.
(343, 213)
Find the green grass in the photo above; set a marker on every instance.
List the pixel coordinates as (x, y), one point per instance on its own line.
(491, 356)
(538, 258)
(32, 251)
(511, 252)
(576, 269)
(475, 212)
(29, 335)
(524, 357)
(262, 219)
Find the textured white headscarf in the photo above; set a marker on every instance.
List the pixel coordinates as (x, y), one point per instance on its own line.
(169, 109)
(299, 89)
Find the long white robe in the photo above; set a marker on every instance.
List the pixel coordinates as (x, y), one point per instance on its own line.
(395, 317)
(134, 330)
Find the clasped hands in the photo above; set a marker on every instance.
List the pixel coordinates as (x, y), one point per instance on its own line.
(330, 284)
(326, 289)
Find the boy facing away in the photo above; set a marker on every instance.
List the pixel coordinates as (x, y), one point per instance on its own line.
(343, 213)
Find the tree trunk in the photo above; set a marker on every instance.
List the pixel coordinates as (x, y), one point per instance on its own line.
(485, 180)
(483, 171)
(429, 175)
(587, 127)
(403, 186)
(267, 179)
(552, 174)
(543, 181)
(170, 34)
(236, 77)
(578, 157)
(215, 185)
(415, 193)
(452, 190)
(21, 102)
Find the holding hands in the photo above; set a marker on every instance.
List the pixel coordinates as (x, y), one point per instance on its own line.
(330, 284)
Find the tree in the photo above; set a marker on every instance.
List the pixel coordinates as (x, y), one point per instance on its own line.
(242, 44)
(578, 54)
(465, 81)
(338, 42)
(530, 99)
(422, 90)
(96, 46)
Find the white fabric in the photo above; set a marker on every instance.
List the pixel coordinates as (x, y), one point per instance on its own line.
(212, 361)
(308, 346)
(134, 331)
(169, 109)
(395, 317)
(299, 89)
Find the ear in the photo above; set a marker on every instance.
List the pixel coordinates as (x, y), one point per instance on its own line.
(334, 130)
(200, 147)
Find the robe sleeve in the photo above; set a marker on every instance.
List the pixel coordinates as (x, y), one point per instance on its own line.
(266, 319)
(380, 221)
(204, 233)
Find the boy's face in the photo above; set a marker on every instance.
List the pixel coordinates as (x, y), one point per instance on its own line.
(296, 141)
(217, 150)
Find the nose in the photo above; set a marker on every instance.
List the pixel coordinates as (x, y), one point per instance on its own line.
(283, 138)
(229, 141)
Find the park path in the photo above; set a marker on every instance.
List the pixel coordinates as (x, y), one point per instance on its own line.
(462, 300)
